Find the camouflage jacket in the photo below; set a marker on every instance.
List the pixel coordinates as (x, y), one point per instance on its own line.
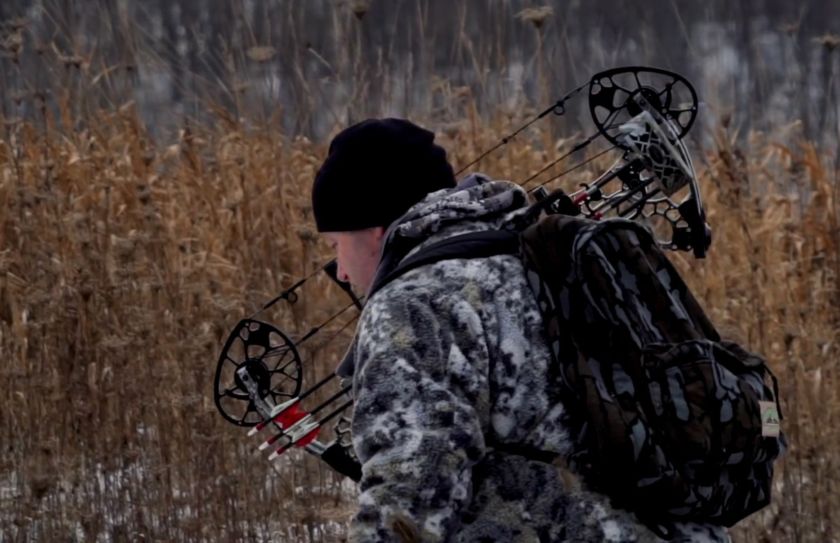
(449, 360)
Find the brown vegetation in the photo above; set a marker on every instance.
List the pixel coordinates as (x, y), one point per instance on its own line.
(125, 259)
(124, 264)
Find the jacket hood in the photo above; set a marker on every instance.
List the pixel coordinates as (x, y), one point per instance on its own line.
(477, 203)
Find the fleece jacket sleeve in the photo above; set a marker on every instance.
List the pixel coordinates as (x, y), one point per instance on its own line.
(419, 416)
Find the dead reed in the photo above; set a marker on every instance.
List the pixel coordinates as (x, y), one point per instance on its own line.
(123, 264)
(125, 258)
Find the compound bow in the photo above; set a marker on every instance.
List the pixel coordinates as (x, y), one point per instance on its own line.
(642, 112)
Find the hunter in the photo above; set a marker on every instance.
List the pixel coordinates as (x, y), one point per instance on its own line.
(450, 368)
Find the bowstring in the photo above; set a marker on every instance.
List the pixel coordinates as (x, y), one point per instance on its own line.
(315, 329)
(575, 167)
(285, 294)
(580, 145)
(558, 107)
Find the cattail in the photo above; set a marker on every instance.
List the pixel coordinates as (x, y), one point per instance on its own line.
(829, 41)
(359, 8)
(536, 16)
(261, 53)
(68, 61)
(13, 43)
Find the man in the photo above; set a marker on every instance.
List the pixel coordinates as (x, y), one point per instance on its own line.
(450, 368)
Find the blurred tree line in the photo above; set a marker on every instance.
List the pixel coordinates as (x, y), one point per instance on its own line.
(321, 63)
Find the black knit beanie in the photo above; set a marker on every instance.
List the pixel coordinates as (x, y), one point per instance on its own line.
(375, 170)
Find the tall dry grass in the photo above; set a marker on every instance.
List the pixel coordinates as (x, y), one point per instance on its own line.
(125, 258)
(124, 263)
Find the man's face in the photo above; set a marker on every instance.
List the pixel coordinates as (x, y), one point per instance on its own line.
(357, 253)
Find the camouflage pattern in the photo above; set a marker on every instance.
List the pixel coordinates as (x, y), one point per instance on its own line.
(669, 412)
(450, 360)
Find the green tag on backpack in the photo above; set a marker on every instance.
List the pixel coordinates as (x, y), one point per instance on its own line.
(769, 419)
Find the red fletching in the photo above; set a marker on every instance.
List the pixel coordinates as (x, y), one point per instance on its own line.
(308, 438)
(290, 416)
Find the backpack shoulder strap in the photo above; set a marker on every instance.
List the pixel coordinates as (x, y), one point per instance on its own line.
(471, 245)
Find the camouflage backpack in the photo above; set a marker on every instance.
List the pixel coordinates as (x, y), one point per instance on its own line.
(673, 422)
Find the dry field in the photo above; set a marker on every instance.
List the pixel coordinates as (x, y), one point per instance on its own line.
(123, 264)
(125, 259)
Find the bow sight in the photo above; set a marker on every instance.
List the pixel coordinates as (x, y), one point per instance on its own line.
(642, 112)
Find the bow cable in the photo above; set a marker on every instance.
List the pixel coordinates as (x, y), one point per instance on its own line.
(558, 108)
